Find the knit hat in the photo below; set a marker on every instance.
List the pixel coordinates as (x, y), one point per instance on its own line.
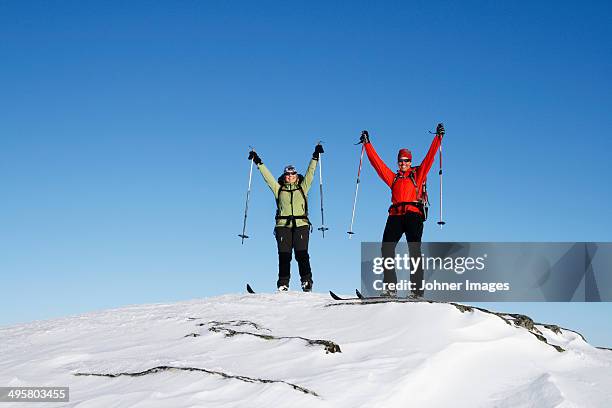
(289, 169)
(404, 153)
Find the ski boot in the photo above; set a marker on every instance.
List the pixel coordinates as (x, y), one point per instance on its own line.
(307, 286)
(283, 288)
(388, 293)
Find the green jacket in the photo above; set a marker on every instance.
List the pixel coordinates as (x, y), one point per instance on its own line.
(290, 200)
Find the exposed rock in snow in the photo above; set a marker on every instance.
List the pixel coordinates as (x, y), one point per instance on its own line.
(306, 350)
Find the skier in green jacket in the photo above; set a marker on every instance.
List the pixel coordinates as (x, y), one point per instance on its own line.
(292, 229)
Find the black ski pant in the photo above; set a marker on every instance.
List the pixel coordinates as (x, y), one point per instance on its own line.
(296, 239)
(410, 224)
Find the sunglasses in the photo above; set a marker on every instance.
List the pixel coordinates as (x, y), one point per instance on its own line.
(404, 160)
(292, 173)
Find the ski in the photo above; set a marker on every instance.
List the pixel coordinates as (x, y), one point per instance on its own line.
(359, 296)
(251, 291)
(377, 299)
(336, 297)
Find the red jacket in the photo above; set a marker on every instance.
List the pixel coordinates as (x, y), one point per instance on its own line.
(403, 190)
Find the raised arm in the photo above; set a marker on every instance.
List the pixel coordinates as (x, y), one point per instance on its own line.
(309, 176)
(312, 166)
(430, 156)
(384, 172)
(268, 177)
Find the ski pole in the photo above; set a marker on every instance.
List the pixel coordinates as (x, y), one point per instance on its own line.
(441, 223)
(246, 206)
(350, 231)
(323, 227)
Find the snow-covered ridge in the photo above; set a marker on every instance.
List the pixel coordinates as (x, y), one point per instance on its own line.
(295, 349)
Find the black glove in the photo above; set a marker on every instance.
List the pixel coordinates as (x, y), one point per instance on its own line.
(365, 137)
(440, 129)
(318, 150)
(253, 156)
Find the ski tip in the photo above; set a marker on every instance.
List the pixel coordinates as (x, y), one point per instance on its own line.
(334, 296)
(358, 293)
(249, 289)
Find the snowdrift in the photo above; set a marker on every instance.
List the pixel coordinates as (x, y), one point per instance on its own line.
(305, 350)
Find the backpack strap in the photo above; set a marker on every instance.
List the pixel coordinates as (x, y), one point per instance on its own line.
(411, 176)
(422, 202)
(290, 219)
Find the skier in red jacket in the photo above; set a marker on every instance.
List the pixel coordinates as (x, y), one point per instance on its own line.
(408, 208)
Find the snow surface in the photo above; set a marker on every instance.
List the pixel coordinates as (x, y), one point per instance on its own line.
(392, 355)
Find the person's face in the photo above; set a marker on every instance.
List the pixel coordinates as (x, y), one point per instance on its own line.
(291, 177)
(404, 164)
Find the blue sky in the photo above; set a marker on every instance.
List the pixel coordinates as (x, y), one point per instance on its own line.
(124, 131)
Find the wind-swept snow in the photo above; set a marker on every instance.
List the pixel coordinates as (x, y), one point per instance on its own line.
(303, 350)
